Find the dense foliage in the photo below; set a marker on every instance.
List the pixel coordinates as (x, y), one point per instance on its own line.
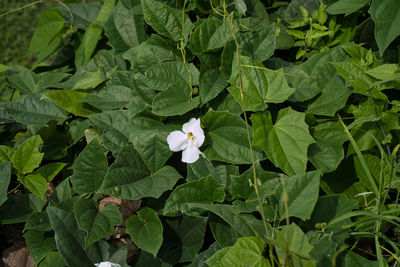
(298, 102)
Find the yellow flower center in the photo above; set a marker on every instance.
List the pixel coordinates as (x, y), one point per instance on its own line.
(191, 136)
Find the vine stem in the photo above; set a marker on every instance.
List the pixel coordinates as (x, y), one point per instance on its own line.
(181, 48)
(21, 8)
(255, 181)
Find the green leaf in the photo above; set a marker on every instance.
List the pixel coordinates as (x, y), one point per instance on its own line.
(202, 168)
(353, 259)
(38, 221)
(241, 6)
(125, 28)
(162, 76)
(129, 178)
(23, 79)
(258, 45)
(209, 35)
(47, 35)
(222, 232)
(385, 16)
(183, 239)
(212, 82)
(260, 85)
(35, 183)
(39, 244)
(30, 110)
(284, 142)
(247, 251)
(90, 79)
(6, 153)
(327, 152)
(90, 168)
(332, 99)
(83, 14)
(5, 176)
(166, 20)
(18, 207)
(228, 138)
(346, 6)
(114, 128)
(69, 238)
(385, 72)
(176, 100)
(146, 230)
(52, 259)
(201, 258)
(150, 53)
(296, 242)
(89, 42)
(229, 214)
(27, 157)
(206, 190)
(49, 171)
(69, 100)
(110, 97)
(302, 194)
(97, 225)
(149, 137)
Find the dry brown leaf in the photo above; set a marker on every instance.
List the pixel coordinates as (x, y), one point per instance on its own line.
(17, 256)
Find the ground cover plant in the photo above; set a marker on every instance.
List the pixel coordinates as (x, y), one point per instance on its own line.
(205, 133)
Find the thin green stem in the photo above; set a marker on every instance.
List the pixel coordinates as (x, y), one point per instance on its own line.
(21, 8)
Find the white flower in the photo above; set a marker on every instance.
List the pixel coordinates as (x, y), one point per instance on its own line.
(189, 140)
(107, 264)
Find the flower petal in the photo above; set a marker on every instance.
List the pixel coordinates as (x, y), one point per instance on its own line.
(177, 141)
(194, 127)
(190, 125)
(191, 153)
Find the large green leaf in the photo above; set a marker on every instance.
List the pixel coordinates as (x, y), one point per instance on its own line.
(162, 76)
(149, 137)
(327, 152)
(35, 183)
(5, 175)
(125, 28)
(228, 138)
(39, 244)
(69, 238)
(176, 100)
(351, 258)
(97, 225)
(114, 128)
(201, 258)
(28, 157)
(30, 110)
(385, 15)
(90, 168)
(260, 85)
(128, 177)
(332, 99)
(296, 242)
(212, 82)
(153, 51)
(206, 190)
(47, 35)
(93, 35)
(302, 194)
(38, 221)
(346, 6)
(229, 215)
(53, 258)
(259, 45)
(146, 230)
(209, 35)
(202, 168)
(69, 100)
(166, 20)
(284, 142)
(18, 207)
(110, 97)
(183, 238)
(247, 251)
